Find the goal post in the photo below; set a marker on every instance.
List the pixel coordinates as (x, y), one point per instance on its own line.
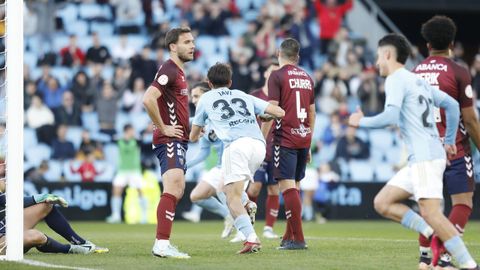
(14, 129)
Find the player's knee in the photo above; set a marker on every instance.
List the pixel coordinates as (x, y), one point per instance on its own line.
(194, 196)
(380, 205)
(46, 208)
(34, 238)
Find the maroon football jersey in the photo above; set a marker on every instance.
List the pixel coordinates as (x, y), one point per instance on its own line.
(261, 95)
(453, 79)
(292, 87)
(173, 103)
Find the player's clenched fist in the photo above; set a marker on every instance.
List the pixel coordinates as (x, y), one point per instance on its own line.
(355, 117)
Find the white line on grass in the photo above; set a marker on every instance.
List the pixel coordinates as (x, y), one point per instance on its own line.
(43, 264)
(374, 239)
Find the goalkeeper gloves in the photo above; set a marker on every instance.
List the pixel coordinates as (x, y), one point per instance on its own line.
(50, 198)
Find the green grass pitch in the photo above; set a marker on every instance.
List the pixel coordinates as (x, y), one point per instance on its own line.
(334, 245)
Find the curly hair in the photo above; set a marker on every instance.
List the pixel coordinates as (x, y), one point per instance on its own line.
(439, 31)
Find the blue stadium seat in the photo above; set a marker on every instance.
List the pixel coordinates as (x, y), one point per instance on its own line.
(63, 74)
(69, 176)
(29, 138)
(74, 135)
(59, 41)
(103, 29)
(236, 27)
(207, 45)
(90, 121)
(54, 172)
(108, 72)
(384, 172)
(108, 171)
(137, 41)
(360, 171)
(321, 122)
(69, 13)
(224, 44)
(377, 155)
(85, 43)
(380, 138)
(30, 59)
(111, 153)
(37, 153)
(394, 154)
(89, 11)
(121, 120)
(79, 28)
(101, 137)
(140, 121)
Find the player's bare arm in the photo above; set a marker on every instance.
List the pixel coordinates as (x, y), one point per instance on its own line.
(311, 119)
(471, 124)
(150, 103)
(266, 126)
(274, 111)
(195, 133)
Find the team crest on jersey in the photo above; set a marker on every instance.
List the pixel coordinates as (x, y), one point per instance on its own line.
(469, 91)
(163, 79)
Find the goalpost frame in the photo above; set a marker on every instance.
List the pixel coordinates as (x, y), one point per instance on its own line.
(14, 127)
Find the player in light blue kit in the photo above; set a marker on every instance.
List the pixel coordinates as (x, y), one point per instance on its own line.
(232, 115)
(410, 102)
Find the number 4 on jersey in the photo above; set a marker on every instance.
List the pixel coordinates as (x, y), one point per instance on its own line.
(301, 112)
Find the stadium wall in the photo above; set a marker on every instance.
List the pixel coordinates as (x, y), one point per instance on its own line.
(90, 201)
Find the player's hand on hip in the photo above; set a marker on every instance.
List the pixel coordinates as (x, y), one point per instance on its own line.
(173, 131)
(354, 119)
(451, 150)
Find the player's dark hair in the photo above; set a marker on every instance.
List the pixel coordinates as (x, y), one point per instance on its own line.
(202, 85)
(127, 127)
(439, 31)
(219, 75)
(400, 44)
(172, 36)
(290, 49)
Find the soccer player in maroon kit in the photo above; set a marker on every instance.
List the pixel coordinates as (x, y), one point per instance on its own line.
(441, 71)
(291, 88)
(264, 174)
(166, 101)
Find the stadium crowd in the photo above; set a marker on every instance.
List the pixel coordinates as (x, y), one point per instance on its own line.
(88, 63)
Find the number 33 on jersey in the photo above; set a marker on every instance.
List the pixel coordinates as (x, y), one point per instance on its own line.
(292, 87)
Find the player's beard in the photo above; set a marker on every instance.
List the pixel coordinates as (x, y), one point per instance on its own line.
(184, 57)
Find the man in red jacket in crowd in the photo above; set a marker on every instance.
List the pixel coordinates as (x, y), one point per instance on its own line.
(330, 16)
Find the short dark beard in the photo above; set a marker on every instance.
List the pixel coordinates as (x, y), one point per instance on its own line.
(184, 59)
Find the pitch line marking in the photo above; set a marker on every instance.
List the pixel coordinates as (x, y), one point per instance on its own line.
(44, 264)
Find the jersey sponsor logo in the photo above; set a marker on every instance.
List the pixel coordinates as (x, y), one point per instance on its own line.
(432, 66)
(296, 72)
(430, 77)
(163, 79)
(240, 121)
(469, 91)
(301, 130)
(300, 84)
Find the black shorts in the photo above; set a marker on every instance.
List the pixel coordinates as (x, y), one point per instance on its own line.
(289, 163)
(459, 176)
(171, 155)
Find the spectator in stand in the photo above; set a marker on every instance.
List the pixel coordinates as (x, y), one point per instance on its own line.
(351, 147)
(96, 79)
(30, 90)
(275, 9)
(334, 130)
(330, 16)
(158, 39)
(61, 148)
(338, 49)
(89, 146)
(43, 79)
(329, 103)
(198, 19)
(72, 55)
(250, 34)
(476, 75)
(37, 175)
(459, 54)
(38, 114)
(107, 109)
(241, 78)
(98, 53)
(30, 21)
(69, 113)
(121, 78)
(122, 52)
(265, 39)
(132, 100)
(216, 19)
(52, 93)
(83, 93)
(143, 66)
(300, 30)
(87, 169)
(371, 94)
(45, 10)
